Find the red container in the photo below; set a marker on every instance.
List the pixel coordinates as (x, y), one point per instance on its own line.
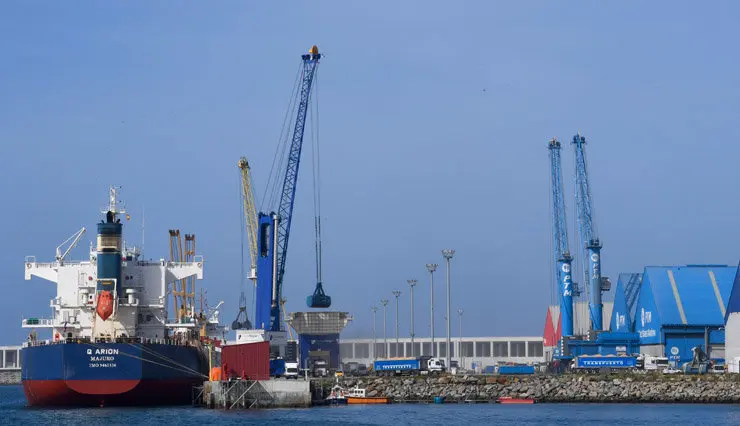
(246, 360)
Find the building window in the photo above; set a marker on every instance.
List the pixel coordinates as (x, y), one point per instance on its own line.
(427, 348)
(362, 350)
(442, 349)
(396, 350)
(466, 349)
(518, 349)
(380, 350)
(483, 349)
(345, 350)
(534, 349)
(501, 349)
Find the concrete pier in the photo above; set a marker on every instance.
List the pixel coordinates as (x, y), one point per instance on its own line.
(275, 393)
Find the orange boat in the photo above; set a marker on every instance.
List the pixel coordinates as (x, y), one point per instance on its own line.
(357, 396)
(510, 400)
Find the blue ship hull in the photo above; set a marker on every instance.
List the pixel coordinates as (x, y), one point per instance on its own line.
(96, 374)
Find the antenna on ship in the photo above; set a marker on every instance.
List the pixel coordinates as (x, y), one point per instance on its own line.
(113, 202)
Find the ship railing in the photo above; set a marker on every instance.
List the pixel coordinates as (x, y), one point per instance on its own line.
(87, 340)
(31, 260)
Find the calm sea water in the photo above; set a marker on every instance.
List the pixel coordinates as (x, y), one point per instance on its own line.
(13, 411)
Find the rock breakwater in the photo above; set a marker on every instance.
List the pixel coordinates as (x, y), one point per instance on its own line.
(624, 388)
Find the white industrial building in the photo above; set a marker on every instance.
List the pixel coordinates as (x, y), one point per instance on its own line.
(469, 352)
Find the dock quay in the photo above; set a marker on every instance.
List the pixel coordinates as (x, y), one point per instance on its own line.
(554, 388)
(245, 394)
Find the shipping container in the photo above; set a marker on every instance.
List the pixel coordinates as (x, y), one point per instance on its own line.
(516, 369)
(606, 362)
(250, 360)
(401, 364)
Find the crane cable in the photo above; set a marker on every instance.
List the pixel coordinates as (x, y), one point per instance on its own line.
(316, 162)
(273, 186)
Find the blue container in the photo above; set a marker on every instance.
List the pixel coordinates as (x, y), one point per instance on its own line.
(516, 369)
(606, 362)
(277, 367)
(407, 364)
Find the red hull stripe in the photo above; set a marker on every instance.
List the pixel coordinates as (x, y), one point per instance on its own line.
(99, 387)
(108, 392)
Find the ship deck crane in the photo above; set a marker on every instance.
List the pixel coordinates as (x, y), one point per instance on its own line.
(274, 228)
(591, 244)
(75, 239)
(563, 276)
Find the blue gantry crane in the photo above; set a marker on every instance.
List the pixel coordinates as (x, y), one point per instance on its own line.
(591, 244)
(274, 228)
(563, 276)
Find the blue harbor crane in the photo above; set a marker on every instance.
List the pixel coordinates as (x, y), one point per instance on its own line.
(274, 228)
(564, 284)
(591, 244)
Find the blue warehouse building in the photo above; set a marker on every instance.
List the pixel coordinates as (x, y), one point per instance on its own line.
(675, 308)
(625, 302)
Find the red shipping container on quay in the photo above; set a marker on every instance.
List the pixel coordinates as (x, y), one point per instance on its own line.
(246, 360)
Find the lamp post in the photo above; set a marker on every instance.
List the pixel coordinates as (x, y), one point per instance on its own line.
(459, 342)
(431, 267)
(375, 341)
(447, 254)
(412, 284)
(384, 302)
(397, 293)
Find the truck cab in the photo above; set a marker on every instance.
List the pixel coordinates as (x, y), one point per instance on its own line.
(658, 363)
(291, 370)
(320, 368)
(436, 365)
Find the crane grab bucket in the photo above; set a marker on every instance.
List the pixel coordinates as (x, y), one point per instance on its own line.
(318, 299)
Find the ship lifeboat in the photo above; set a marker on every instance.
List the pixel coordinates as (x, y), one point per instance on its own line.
(105, 305)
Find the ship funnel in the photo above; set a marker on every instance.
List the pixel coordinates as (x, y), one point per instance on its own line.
(109, 259)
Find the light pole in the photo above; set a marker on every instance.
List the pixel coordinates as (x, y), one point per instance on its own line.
(447, 254)
(412, 284)
(384, 302)
(375, 341)
(459, 342)
(397, 293)
(431, 267)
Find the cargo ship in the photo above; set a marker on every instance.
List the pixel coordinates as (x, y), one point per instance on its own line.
(111, 341)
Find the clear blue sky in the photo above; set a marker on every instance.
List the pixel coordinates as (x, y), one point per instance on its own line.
(163, 98)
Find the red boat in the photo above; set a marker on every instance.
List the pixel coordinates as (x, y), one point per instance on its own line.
(511, 400)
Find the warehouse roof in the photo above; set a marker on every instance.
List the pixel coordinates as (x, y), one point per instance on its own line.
(690, 295)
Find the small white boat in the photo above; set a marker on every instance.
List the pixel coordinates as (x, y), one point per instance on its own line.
(337, 395)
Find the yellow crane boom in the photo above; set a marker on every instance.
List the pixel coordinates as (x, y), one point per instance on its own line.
(250, 214)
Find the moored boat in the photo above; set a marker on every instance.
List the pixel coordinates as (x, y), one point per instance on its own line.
(358, 395)
(337, 395)
(512, 400)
